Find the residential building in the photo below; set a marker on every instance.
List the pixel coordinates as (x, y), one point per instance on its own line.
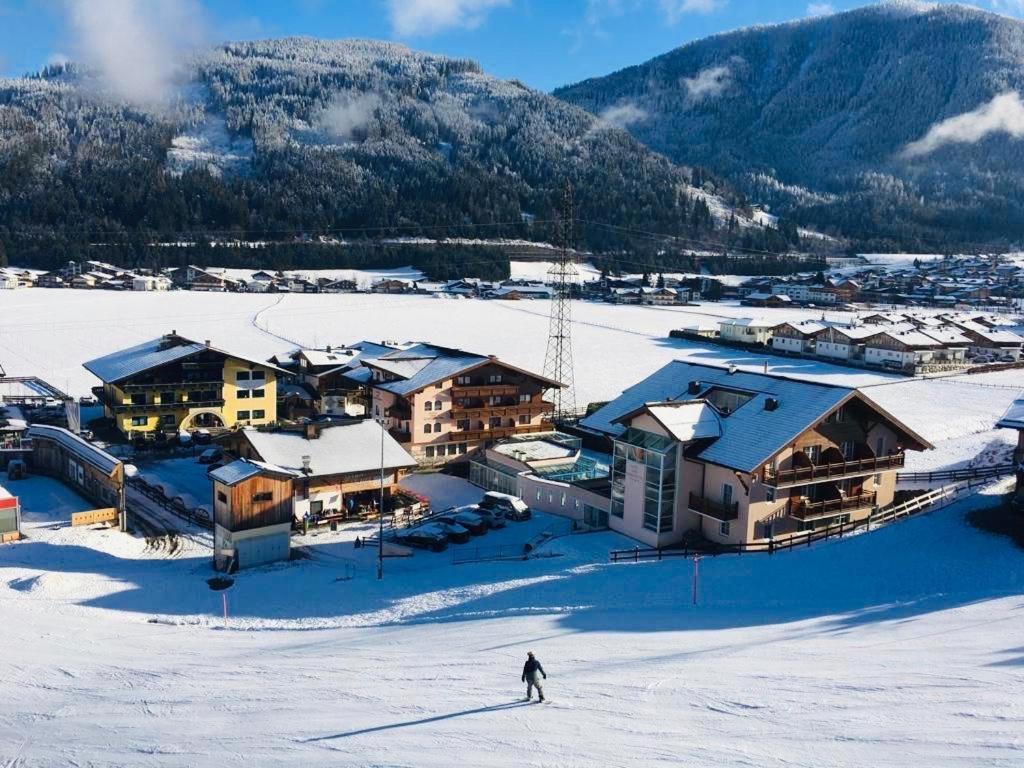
(986, 340)
(340, 286)
(391, 286)
(904, 349)
(1014, 419)
(151, 283)
(842, 342)
(335, 376)
(746, 330)
(737, 457)
(444, 403)
(283, 476)
(171, 383)
(796, 338)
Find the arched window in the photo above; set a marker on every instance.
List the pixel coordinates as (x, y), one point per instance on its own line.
(426, 429)
(427, 406)
(437, 427)
(437, 405)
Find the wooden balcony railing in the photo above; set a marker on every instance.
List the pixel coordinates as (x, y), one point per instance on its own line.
(831, 507)
(821, 472)
(484, 390)
(484, 412)
(715, 509)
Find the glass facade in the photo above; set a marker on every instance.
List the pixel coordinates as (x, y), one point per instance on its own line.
(491, 479)
(657, 454)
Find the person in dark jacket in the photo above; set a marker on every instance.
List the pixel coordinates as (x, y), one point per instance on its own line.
(532, 673)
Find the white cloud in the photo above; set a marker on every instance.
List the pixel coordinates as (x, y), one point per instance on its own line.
(1004, 114)
(411, 18)
(348, 116)
(137, 47)
(820, 9)
(707, 83)
(674, 10)
(623, 115)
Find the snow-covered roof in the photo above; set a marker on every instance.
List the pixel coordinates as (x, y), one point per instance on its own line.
(749, 322)
(1014, 416)
(989, 334)
(535, 450)
(909, 338)
(171, 348)
(751, 434)
(947, 336)
(235, 472)
(340, 449)
(684, 420)
(81, 448)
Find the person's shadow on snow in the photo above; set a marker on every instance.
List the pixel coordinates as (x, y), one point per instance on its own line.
(421, 721)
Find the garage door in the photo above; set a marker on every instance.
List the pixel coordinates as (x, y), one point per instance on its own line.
(262, 549)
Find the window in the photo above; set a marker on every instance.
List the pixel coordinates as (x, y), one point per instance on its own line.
(316, 507)
(242, 376)
(723, 529)
(813, 452)
(462, 380)
(438, 385)
(452, 449)
(880, 447)
(495, 378)
(376, 410)
(260, 414)
(243, 415)
(769, 494)
(426, 429)
(243, 394)
(848, 448)
(494, 400)
(437, 427)
(462, 447)
(168, 419)
(222, 497)
(462, 424)
(726, 495)
(428, 406)
(259, 375)
(437, 405)
(430, 451)
(259, 392)
(494, 421)
(166, 397)
(263, 496)
(524, 398)
(139, 399)
(139, 421)
(511, 422)
(524, 419)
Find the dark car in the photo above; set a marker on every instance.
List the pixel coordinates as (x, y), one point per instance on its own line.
(428, 536)
(472, 522)
(513, 507)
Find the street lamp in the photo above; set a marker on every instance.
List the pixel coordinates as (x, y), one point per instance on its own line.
(380, 512)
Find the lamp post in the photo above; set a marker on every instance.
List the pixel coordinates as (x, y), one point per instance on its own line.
(380, 512)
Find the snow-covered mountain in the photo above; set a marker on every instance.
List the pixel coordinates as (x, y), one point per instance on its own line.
(272, 138)
(901, 119)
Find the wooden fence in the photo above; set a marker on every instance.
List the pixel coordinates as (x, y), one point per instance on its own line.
(931, 500)
(958, 475)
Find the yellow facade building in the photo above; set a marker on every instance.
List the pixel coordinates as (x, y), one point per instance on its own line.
(173, 384)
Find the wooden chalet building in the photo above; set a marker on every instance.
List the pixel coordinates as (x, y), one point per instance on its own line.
(172, 384)
(444, 403)
(282, 476)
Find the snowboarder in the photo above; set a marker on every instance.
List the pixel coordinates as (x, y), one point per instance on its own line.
(532, 672)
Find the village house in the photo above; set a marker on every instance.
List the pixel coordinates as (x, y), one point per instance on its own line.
(796, 338)
(842, 342)
(902, 349)
(196, 278)
(1014, 419)
(285, 476)
(774, 300)
(444, 403)
(746, 330)
(151, 283)
(986, 340)
(391, 286)
(343, 285)
(738, 457)
(172, 384)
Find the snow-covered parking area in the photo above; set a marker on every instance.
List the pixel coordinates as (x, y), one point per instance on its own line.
(899, 647)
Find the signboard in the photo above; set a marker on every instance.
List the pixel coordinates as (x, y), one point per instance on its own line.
(106, 515)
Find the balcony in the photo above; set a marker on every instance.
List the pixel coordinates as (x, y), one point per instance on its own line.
(716, 509)
(497, 433)
(162, 386)
(814, 510)
(165, 407)
(484, 390)
(818, 473)
(508, 410)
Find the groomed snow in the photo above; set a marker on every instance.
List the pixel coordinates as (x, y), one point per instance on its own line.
(899, 647)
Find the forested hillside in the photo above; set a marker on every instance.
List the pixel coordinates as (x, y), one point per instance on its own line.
(300, 139)
(895, 125)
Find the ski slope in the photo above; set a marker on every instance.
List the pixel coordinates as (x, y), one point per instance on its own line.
(898, 647)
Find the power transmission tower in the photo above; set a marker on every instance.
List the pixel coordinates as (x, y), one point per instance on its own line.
(558, 360)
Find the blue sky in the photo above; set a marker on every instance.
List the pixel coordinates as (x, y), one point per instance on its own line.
(544, 43)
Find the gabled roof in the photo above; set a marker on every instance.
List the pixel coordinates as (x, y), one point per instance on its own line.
(243, 469)
(685, 420)
(421, 365)
(751, 434)
(171, 348)
(340, 449)
(1014, 416)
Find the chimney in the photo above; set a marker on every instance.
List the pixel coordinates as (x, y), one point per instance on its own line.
(207, 342)
(694, 387)
(771, 403)
(732, 369)
(312, 432)
(306, 470)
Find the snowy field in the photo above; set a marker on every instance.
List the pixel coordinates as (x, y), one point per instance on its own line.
(900, 647)
(50, 333)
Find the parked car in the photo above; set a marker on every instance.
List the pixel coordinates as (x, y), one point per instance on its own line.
(457, 533)
(1007, 359)
(473, 523)
(201, 437)
(982, 359)
(427, 536)
(892, 365)
(87, 400)
(513, 507)
(210, 455)
(494, 518)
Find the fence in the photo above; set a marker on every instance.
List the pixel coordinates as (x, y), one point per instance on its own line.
(197, 516)
(958, 475)
(933, 499)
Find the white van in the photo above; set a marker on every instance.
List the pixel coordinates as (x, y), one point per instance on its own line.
(513, 507)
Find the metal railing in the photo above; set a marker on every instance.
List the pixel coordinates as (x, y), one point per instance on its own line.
(715, 509)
